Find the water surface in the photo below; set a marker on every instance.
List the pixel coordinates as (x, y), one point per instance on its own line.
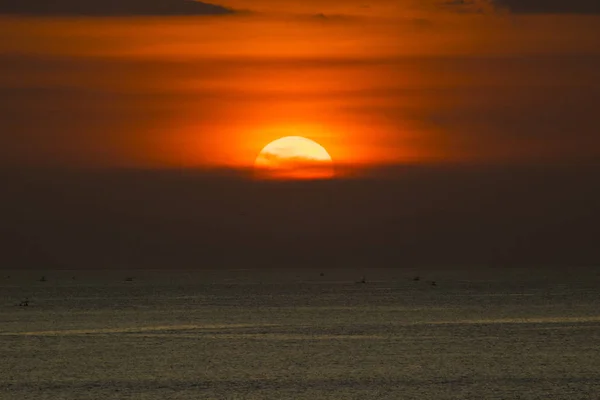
(275, 334)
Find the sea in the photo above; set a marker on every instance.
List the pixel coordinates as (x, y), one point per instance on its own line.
(478, 333)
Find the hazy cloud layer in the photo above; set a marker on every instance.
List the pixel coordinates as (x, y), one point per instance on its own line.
(107, 112)
(111, 7)
(420, 216)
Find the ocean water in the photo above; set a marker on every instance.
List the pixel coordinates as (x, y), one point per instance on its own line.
(294, 334)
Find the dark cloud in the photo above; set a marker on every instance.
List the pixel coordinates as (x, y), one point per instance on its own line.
(528, 6)
(110, 7)
(550, 6)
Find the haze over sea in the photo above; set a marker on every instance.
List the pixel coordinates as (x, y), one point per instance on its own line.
(297, 334)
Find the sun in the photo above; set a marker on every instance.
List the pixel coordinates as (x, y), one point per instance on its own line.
(294, 157)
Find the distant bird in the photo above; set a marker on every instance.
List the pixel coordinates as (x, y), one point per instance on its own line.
(433, 283)
(362, 280)
(43, 279)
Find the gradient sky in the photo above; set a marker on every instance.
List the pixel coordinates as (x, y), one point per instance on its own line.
(124, 124)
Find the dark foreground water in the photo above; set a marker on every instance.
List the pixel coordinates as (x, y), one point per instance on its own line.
(294, 334)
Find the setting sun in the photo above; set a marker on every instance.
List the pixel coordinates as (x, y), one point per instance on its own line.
(294, 157)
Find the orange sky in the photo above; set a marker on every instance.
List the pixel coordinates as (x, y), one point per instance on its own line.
(387, 82)
(158, 115)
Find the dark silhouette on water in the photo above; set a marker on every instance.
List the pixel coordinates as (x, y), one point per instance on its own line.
(129, 279)
(417, 278)
(362, 280)
(24, 303)
(433, 283)
(43, 279)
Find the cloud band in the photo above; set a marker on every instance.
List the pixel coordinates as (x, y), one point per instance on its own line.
(111, 8)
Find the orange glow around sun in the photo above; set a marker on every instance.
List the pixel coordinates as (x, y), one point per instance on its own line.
(294, 157)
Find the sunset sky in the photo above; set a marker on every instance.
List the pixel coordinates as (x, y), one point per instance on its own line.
(167, 83)
(485, 112)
